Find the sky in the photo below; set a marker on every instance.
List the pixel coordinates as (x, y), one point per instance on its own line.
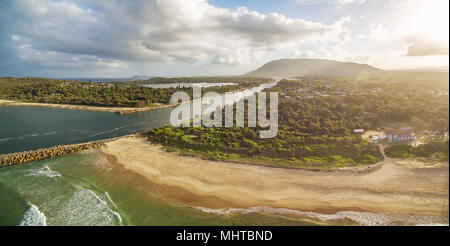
(117, 38)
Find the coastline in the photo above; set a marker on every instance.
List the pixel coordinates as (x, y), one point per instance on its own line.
(117, 110)
(218, 185)
(17, 158)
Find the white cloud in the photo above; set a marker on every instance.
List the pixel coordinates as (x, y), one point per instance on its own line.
(157, 31)
(378, 33)
(339, 2)
(422, 46)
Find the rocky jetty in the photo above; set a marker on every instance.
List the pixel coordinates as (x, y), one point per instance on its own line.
(35, 155)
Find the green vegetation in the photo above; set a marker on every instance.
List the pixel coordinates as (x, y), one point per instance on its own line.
(316, 117)
(368, 105)
(291, 148)
(434, 151)
(316, 120)
(98, 94)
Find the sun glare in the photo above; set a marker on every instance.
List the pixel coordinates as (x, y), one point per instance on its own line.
(431, 18)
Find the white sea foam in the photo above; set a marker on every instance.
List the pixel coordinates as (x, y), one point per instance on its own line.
(86, 208)
(4, 139)
(44, 171)
(103, 163)
(363, 218)
(34, 217)
(40, 134)
(108, 131)
(87, 151)
(109, 199)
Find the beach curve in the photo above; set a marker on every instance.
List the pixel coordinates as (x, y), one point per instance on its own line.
(214, 184)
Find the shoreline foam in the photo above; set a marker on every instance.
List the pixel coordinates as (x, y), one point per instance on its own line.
(34, 217)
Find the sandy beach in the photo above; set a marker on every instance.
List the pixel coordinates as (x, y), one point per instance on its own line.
(195, 182)
(121, 110)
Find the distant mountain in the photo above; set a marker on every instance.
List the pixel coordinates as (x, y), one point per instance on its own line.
(140, 77)
(289, 68)
(134, 78)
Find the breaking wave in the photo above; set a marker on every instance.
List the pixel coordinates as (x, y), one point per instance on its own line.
(110, 200)
(4, 139)
(362, 218)
(87, 208)
(40, 134)
(34, 217)
(44, 171)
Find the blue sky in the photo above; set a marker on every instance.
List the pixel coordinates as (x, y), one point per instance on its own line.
(315, 12)
(115, 38)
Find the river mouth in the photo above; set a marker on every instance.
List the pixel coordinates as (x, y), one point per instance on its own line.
(31, 127)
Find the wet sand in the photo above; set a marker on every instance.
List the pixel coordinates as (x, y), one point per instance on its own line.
(213, 184)
(121, 110)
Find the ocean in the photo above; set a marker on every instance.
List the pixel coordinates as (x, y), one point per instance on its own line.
(84, 189)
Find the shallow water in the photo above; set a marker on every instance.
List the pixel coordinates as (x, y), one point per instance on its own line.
(85, 189)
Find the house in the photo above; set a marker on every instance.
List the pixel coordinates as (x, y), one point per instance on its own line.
(358, 131)
(400, 134)
(379, 138)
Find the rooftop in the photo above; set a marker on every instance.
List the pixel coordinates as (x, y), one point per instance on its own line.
(398, 131)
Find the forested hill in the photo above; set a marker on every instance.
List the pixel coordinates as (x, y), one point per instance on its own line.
(289, 68)
(297, 68)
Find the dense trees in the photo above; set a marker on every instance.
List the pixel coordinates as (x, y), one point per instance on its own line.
(98, 94)
(435, 151)
(316, 120)
(368, 105)
(291, 148)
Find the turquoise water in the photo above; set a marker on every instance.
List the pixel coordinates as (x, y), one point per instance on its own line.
(85, 189)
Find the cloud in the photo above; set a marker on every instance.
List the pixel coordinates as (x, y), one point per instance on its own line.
(423, 46)
(339, 2)
(107, 33)
(378, 33)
